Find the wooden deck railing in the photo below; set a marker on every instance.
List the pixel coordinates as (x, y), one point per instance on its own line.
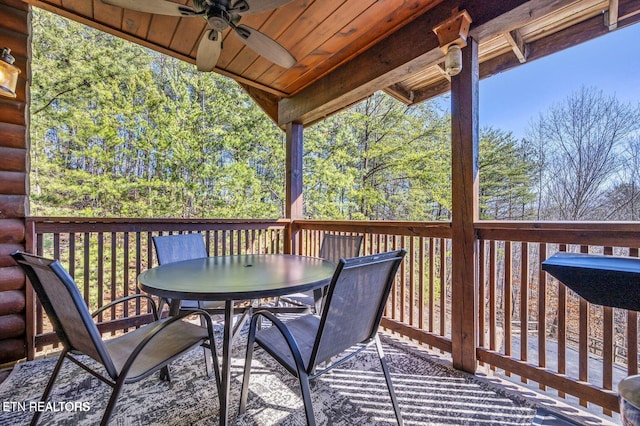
(575, 347)
(567, 344)
(420, 303)
(106, 255)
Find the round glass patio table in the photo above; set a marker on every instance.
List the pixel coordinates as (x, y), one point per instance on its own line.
(234, 278)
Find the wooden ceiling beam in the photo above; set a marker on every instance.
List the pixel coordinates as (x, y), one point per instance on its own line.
(553, 43)
(432, 90)
(265, 100)
(611, 16)
(409, 49)
(441, 69)
(401, 93)
(519, 47)
(628, 9)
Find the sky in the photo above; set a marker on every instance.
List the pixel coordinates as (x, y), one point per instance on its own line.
(510, 100)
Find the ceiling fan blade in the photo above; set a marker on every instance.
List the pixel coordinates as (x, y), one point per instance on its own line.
(252, 7)
(209, 50)
(160, 7)
(265, 46)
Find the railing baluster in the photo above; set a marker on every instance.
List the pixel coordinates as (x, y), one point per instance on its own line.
(607, 343)
(542, 311)
(100, 277)
(114, 274)
(72, 254)
(583, 351)
(524, 304)
(481, 294)
(39, 310)
(562, 327)
(432, 284)
(87, 270)
(508, 303)
(493, 317)
(231, 248)
(443, 287)
(150, 257)
(403, 284)
(394, 293)
(56, 246)
(56, 255)
(412, 284)
(420, 294)
(138, 270)
(125, 268)
(632, 333)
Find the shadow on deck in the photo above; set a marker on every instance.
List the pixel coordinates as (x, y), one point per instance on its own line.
(429, 390)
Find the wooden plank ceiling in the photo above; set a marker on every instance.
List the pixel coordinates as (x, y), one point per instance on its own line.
(347, 49)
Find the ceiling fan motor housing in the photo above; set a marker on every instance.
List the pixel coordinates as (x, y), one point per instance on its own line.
(218, 18)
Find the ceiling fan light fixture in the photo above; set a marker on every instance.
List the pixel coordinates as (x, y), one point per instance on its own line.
(8, 74)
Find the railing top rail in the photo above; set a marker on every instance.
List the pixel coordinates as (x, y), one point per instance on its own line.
(406, 228)
(67, 224)
(616, 234)
(53, 219)
(559, 225)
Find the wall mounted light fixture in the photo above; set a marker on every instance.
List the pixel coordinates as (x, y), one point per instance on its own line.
(8, 74)
(452, 37)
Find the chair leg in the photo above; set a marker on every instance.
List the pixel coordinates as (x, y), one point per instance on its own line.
(208, 356)
(47, 390)
(112, 401)
(387, 377)
(161, 303)
(237, 327)
(306, 397)
(247, 364)
(165, 374)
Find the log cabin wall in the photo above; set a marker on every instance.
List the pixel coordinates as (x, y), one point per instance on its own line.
(15, 33)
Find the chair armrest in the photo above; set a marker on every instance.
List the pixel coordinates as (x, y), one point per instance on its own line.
(154, 309)
(284, 331)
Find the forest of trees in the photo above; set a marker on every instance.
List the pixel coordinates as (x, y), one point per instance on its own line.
(118, 130)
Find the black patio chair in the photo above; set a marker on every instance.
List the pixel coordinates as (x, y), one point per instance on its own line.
(354, 305)
(174, 248)
(333, 248)
(126, 358)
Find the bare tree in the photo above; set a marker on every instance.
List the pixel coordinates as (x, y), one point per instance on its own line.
(582, 137)
(536, 142)
(623, 200)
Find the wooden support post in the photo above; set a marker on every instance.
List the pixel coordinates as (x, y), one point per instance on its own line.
(293, 183)
(464, 259)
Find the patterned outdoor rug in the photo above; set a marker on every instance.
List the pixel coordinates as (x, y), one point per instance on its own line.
(430, 393)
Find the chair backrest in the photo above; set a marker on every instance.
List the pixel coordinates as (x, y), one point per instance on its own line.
(65, 307)
(355, 303)
(174, 248)
(336, 247)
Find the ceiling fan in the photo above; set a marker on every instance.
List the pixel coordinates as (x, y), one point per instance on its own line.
(220, 15)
